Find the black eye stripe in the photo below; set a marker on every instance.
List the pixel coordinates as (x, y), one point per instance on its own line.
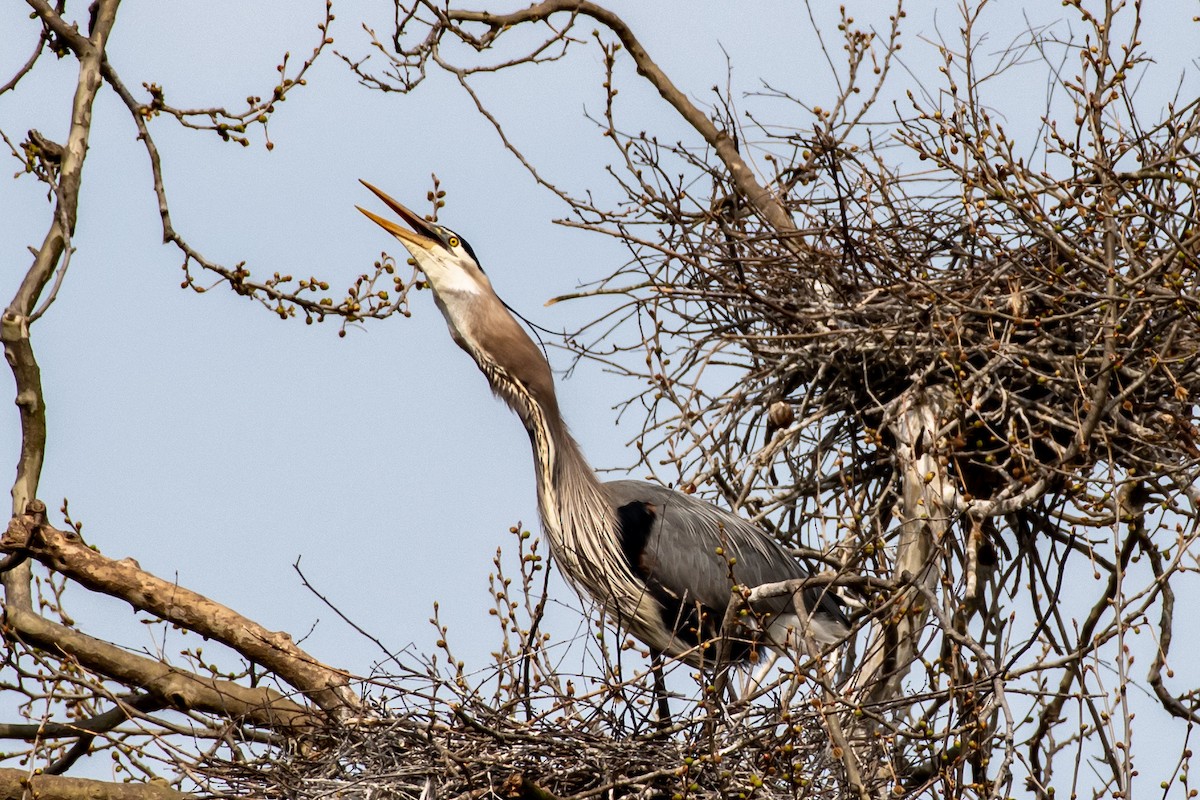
(453, 240)
(470, 251)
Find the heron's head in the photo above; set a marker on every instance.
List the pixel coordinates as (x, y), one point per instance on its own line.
(445, 257)
(478, 320)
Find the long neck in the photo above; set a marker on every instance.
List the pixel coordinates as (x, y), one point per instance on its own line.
(576, 515)
(583, 529)
(578, 519)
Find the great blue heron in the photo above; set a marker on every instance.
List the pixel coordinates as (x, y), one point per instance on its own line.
(662, 562)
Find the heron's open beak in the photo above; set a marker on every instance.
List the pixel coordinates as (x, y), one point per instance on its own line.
(425, 235)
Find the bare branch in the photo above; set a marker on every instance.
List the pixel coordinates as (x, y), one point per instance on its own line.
(17, 784)
(14, 325)
(64, 552)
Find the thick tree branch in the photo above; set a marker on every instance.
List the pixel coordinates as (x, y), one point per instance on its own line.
(63, 552)
(927, 496)
(179, 688)
(83, 731)
(106, 721)
(14, 325)
(16, 784)
(90, 51)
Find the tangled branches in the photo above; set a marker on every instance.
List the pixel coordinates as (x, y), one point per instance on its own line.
(402, 756)
(948, 352)
(460, 746)
(955, 350)
(526, 726)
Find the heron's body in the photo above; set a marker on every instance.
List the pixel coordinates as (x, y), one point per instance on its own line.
(662, 562)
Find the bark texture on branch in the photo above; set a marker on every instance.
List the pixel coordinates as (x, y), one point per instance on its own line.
(927, 498)
(64, 552)
(14, 326)
(179, 688)
(17, 784)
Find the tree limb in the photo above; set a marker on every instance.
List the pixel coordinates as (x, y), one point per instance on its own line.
(64, 552)
(14, 325)
(17, 784)
(726, 148)
(179, 688)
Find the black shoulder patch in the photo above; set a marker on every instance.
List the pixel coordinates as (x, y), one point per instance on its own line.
(637, 521)
(693, 624)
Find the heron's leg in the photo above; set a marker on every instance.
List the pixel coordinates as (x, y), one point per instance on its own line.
(660, 692)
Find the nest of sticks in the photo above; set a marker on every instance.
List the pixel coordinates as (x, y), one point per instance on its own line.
(473, 750)
(1061, 353)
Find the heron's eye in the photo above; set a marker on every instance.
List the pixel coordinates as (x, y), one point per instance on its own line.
(452, 241)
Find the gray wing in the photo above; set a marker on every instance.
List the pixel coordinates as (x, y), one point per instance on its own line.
(678, 550)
